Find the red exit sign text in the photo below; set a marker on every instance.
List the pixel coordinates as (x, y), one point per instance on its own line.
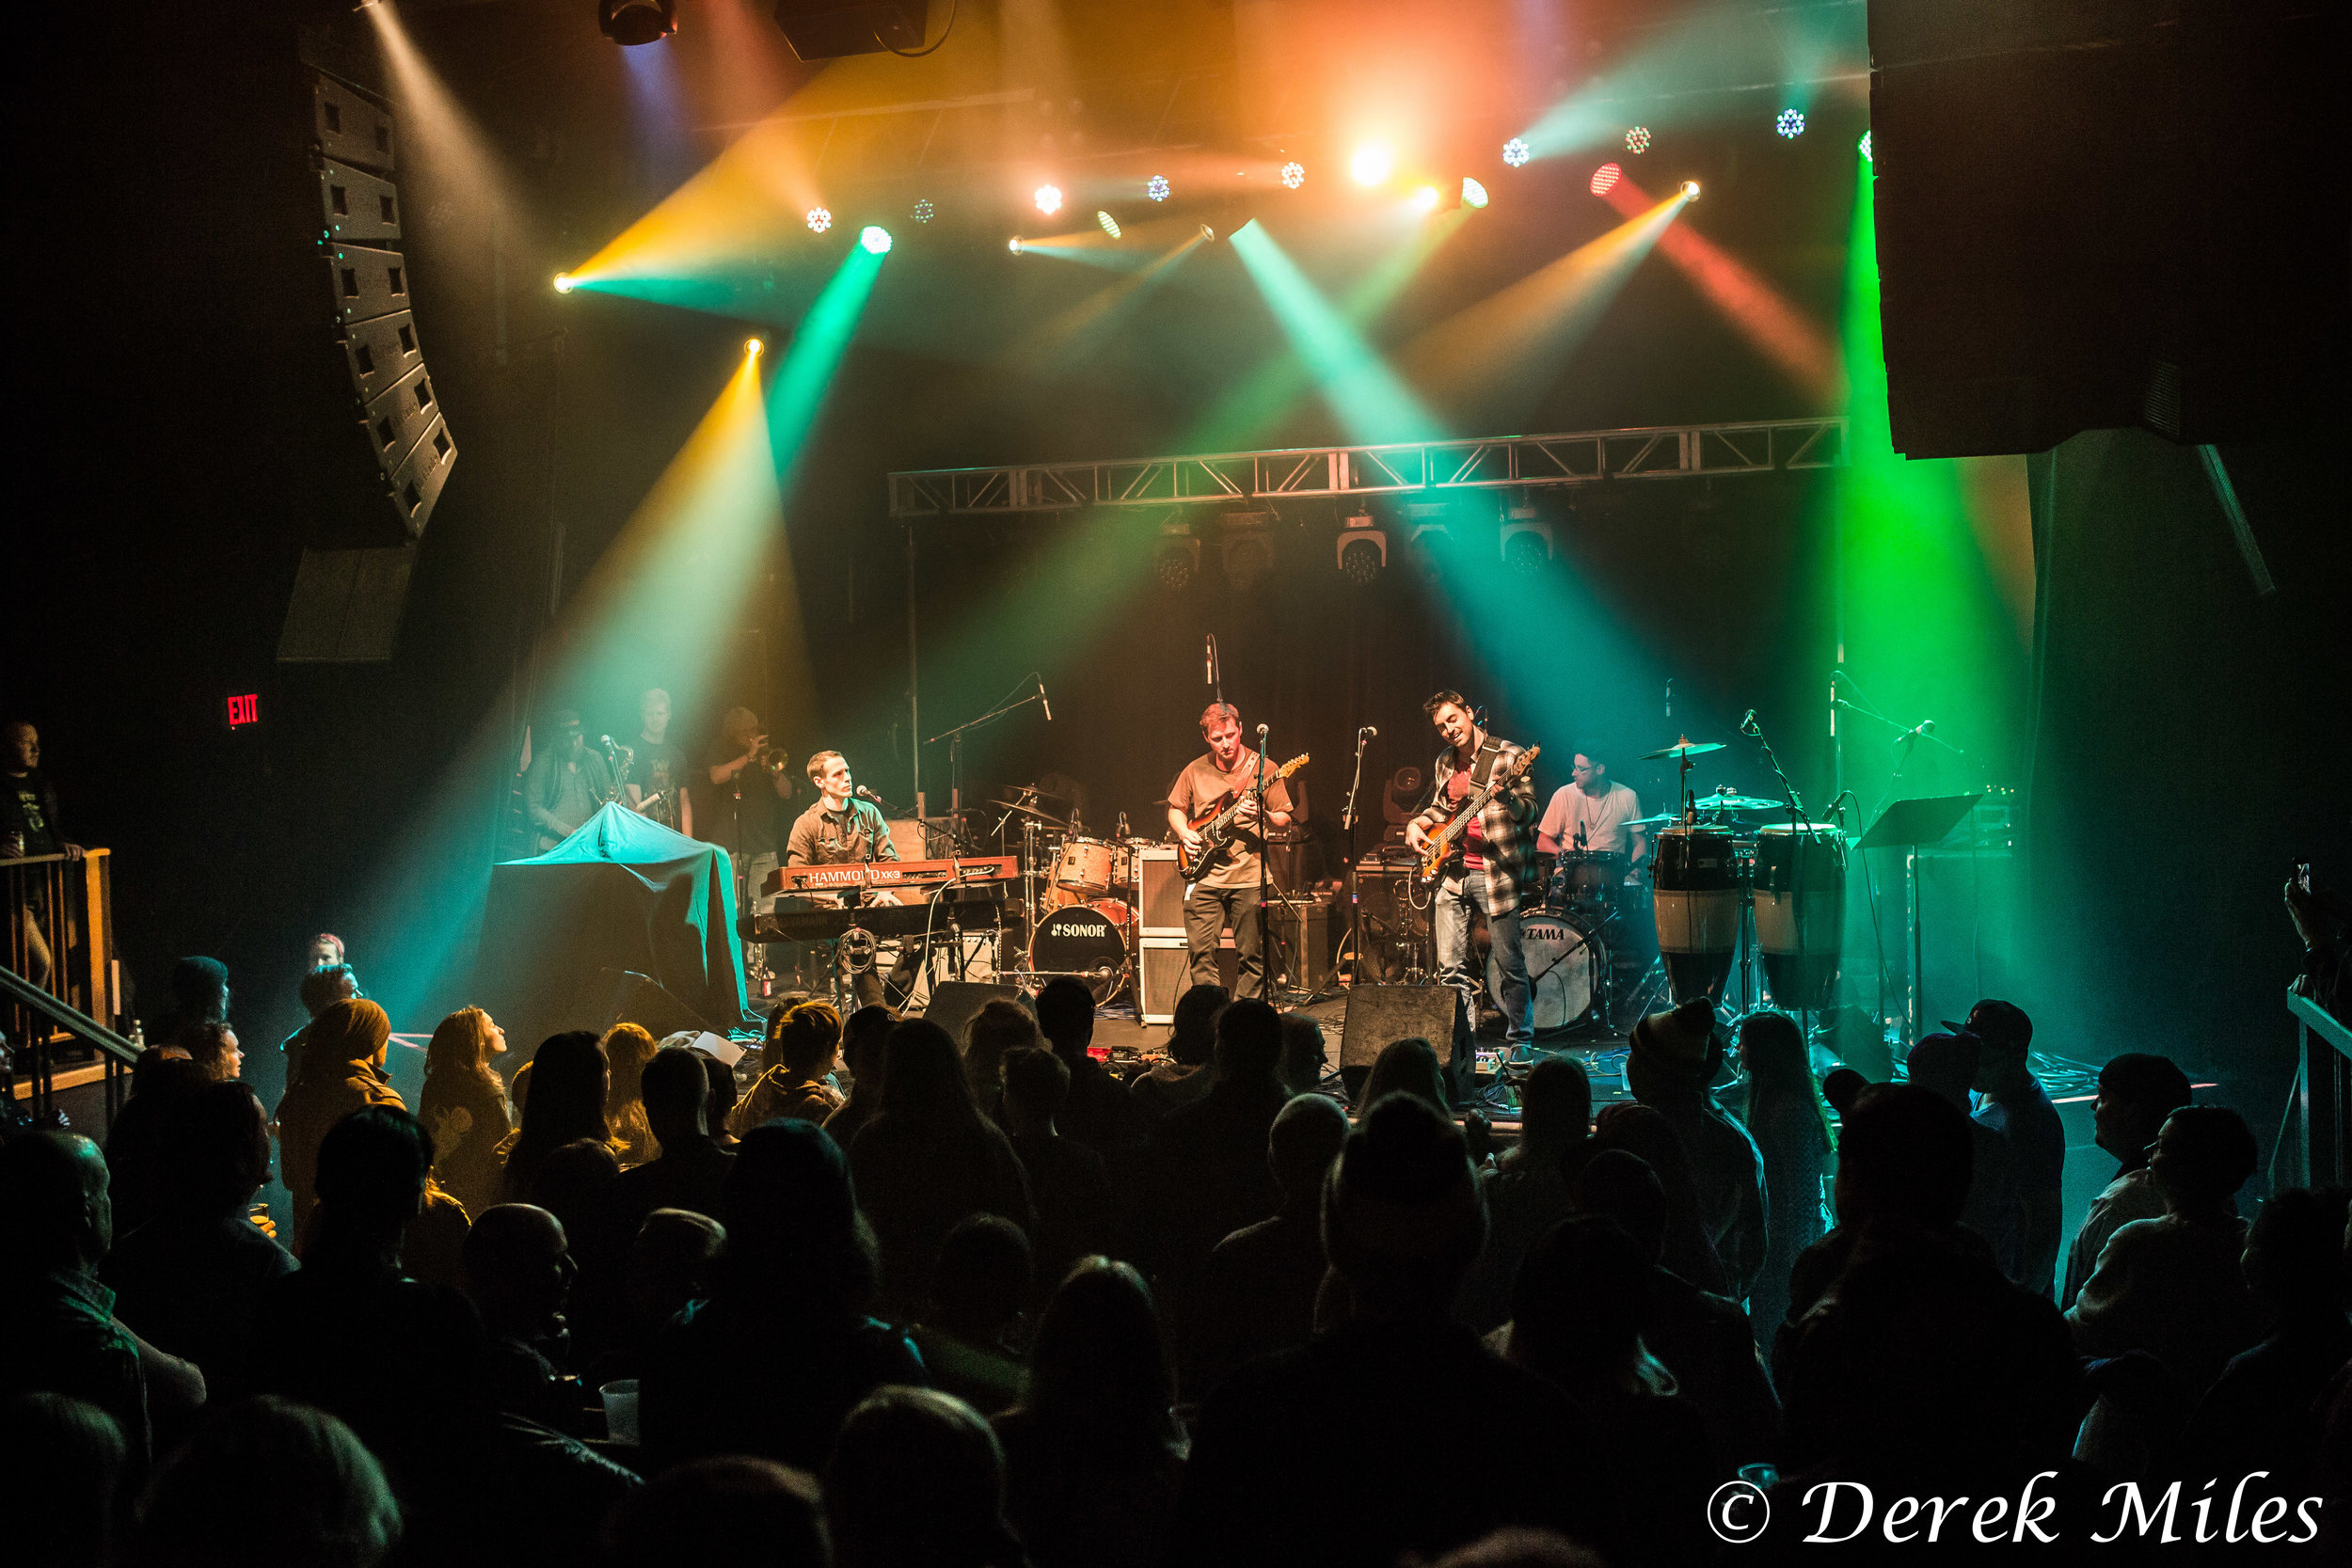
(244, 710)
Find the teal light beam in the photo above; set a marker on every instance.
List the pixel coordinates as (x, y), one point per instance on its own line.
(1371, 402)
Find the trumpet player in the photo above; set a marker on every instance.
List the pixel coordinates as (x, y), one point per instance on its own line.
(747, 777)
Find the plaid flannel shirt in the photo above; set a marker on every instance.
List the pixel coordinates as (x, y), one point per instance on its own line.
(1508, 823)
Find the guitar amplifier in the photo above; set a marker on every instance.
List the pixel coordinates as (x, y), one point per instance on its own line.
(1163, 973)
(1161, 910)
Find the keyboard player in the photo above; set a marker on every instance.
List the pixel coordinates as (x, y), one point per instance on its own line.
(842, 829)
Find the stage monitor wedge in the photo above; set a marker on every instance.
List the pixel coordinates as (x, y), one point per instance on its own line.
(828, 29)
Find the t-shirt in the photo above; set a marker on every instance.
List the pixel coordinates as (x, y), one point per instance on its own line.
(1459, 788)
(1604, 819)
(24, 812)
(660, 769)
(1198, 788)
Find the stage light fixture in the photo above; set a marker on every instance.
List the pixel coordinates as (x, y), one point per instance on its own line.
(1473, 194)
(924, 211)
(1156, 188)
(1371, 164)
(1246, 549)
(1790, 124)
(1689, 190)
(1526, 540)
(564, 284)
(1605, 178)
(1049, 199)
(752, 346)
(1294, 175)
(1362, 550)
(1637, 139)
(1208, 235)
(1515, 152)
(1865, 145)
(1176, 561)
(1426, 199)
(875, 238)
(630, 22)
(1013, 244)
(1429, 548)
(1110, 224)
(818, 220)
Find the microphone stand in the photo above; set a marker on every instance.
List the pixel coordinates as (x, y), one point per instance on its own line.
(1265, 848)
(1796, 866)
(1355, 933)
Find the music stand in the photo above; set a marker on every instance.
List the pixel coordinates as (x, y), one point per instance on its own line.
(1912, 825)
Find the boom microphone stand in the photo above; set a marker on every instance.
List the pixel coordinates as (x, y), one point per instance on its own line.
(1355, 902)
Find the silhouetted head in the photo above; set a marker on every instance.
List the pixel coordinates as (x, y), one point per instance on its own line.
(1248, 1042)
(1306, 1135)
(2202, 1154)
(1408, 1066)
(676, 1090)
(337, 1507)
(917, 1477)
(1402, 1221)
(2136, 1091)
(731, 1509)
(1619, 1186)
(1904, 1154)
(1098, 1369)
(1065, 1015)
(1192, 1038)
(1555, 1108)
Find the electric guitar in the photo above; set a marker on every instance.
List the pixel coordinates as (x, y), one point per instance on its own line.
(1441, 844)
(1216, 825)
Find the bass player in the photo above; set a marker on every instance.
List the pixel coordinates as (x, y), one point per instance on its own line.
(1492, 867)
(1226, 893)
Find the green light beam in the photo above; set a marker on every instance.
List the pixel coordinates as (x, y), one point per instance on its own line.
(1371, 402)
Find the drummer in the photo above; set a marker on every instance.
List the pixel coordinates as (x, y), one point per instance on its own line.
(1592, 812)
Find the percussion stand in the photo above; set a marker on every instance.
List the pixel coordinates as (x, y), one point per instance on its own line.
(1796, 821)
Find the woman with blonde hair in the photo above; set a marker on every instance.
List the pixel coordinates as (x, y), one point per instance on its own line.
(628, 1047)
(464, 1106)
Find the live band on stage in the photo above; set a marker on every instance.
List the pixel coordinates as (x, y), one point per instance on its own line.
(1552, 917)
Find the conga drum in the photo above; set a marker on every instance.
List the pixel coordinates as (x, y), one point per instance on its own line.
(1801, 909)
(1694, 887)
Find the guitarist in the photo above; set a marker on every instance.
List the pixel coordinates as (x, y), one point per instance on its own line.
(1494, 865)
(1227, 892)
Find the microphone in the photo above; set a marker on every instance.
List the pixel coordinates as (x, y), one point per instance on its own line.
(1748, 725)
(1261, 732)
(606, 739)
(864, 794)
(1833, 704)
(1925, 726)
(1368, 733)
(1208, 661)
(1045, 701)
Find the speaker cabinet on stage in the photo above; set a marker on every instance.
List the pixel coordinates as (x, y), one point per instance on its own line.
(1162, 904)
(954, 1003)
(1163, 971)
(1306, 938)
(828, 29)
(349, 591)
(1378, 1015)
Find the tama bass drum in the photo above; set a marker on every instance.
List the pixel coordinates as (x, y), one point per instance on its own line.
(1566, 967)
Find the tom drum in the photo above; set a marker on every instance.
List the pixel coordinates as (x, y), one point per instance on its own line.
(1087, 865)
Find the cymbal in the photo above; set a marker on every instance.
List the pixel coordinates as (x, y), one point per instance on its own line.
(1663, 820)
(1684, 748)
(1738, 803)
(1046, 818)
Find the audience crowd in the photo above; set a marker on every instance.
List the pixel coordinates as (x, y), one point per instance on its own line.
(915, 1301)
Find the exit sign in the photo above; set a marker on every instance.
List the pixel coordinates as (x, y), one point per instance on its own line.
(245, 709)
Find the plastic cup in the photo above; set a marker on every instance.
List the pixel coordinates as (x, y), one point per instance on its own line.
(620, 1411)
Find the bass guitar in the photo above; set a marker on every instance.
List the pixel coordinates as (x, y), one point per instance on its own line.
(1216, 825)
(1442, 843)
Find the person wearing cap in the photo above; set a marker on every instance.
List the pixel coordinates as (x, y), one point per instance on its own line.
(2137, 1092)
(1350, 1448)
(1946, 1065)
(1673, 1058)
(2014, 1103)
(567, 781)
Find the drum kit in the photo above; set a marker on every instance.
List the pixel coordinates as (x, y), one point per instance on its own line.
(1723, 890)
(1079, 895)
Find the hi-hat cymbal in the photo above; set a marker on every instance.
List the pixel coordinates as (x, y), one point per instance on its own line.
(1686, 747)
(1737, 802)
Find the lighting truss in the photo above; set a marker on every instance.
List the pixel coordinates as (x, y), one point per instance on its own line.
(1585, 457)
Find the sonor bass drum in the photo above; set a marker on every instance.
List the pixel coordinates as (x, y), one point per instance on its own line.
(1696, 882)
(1801, 909)
(1089, 940)
(1566, 968)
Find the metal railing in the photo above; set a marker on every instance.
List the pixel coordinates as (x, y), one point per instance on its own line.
(2319, 1115)
(60, 987)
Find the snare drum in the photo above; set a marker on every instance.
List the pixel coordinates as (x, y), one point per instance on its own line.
(1089, 941)
(1565, 966)
(1801, 909)
(1695, 883)
(1087, 865)
(1590, 880)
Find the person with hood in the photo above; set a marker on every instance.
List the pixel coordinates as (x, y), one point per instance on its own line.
(342, 1072)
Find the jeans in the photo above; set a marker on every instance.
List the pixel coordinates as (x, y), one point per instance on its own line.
(1207, 911)
(1452, 919)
